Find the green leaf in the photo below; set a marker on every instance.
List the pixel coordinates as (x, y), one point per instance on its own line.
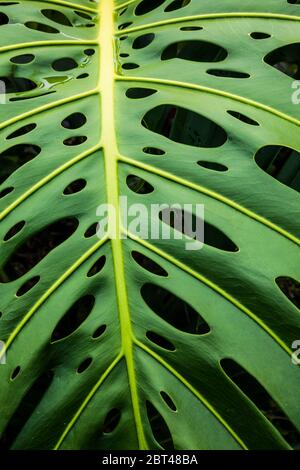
(124, 342)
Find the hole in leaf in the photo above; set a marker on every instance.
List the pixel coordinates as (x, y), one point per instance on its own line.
(125, 25)
(168, 400)
(213, 166)
(26, 408)
(15, 373)
(227, 73)
(153, 151)
(177, 4)
(111, 421)
(250, 386)
(84, 15)
(139, 185)
(173, 310)
(160, 341)
(74, 121)
(36, 247)
(159, 427)
(22, 59)
(75, 187)
(143, 41)
(84, 365)
(148, 264)
(290, 288)
(3, 18)
(27, 286)
(83, 75)
(99, 332)
(137, 93)
(22, 131)
(282, 163)
(89, 52)
(44, 28)
(243, 118)
(184, 126)
(15, 157)
(73, 318)
(14, 230)
(258, 35)
(196, 50)
(22, 98)
(75, 140)
(66, 63)
(97, 267)
(286, 59)
(130, 66)
(57, 17)
(123, 54)
(191, 28)
(5, 192)
(91, 231)
(145, 6)
(191, 226)
(17, 84)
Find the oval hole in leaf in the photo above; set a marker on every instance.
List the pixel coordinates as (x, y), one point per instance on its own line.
(27, 286)
(15, 373)
(75, 140)
(213, 166)
(145, 6)
(57, 17)
(148, 264)
(97, 267)
(15, 157)
(153, 151)
(83, 75)
(184, 126)
(130, 66)
(258, 35)
(22, 59)
(174, 310)
(138, 185)
(191, 28)
(125, 25)
(84, 365)
(22, 131)
(286, 59)
(137, 93)
(14, 230)
(18, 84)
(99, 332)
(66, 63)
(243, 118)
(75, 187)
(89, 52)
(282, 163)
(159, 427)
(6, 191)
(194, 50)
(227, 73)
(177, 4)
(160, 341)
(36, 247)
(84, 15)
(291, 289)
(261, 398)
(73, 318)
(168, 400)
(74, 121)
(27, 406)
(44, 28)
(91, 231)
(3, 19)
(192, 226)
(111, 421)
(143, 41)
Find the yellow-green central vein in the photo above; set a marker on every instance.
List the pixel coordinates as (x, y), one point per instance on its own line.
(110, 150)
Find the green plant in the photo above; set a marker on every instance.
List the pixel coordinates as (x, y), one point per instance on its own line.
(129, 343)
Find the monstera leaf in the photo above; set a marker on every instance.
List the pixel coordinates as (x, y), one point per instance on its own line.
(127, 341)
